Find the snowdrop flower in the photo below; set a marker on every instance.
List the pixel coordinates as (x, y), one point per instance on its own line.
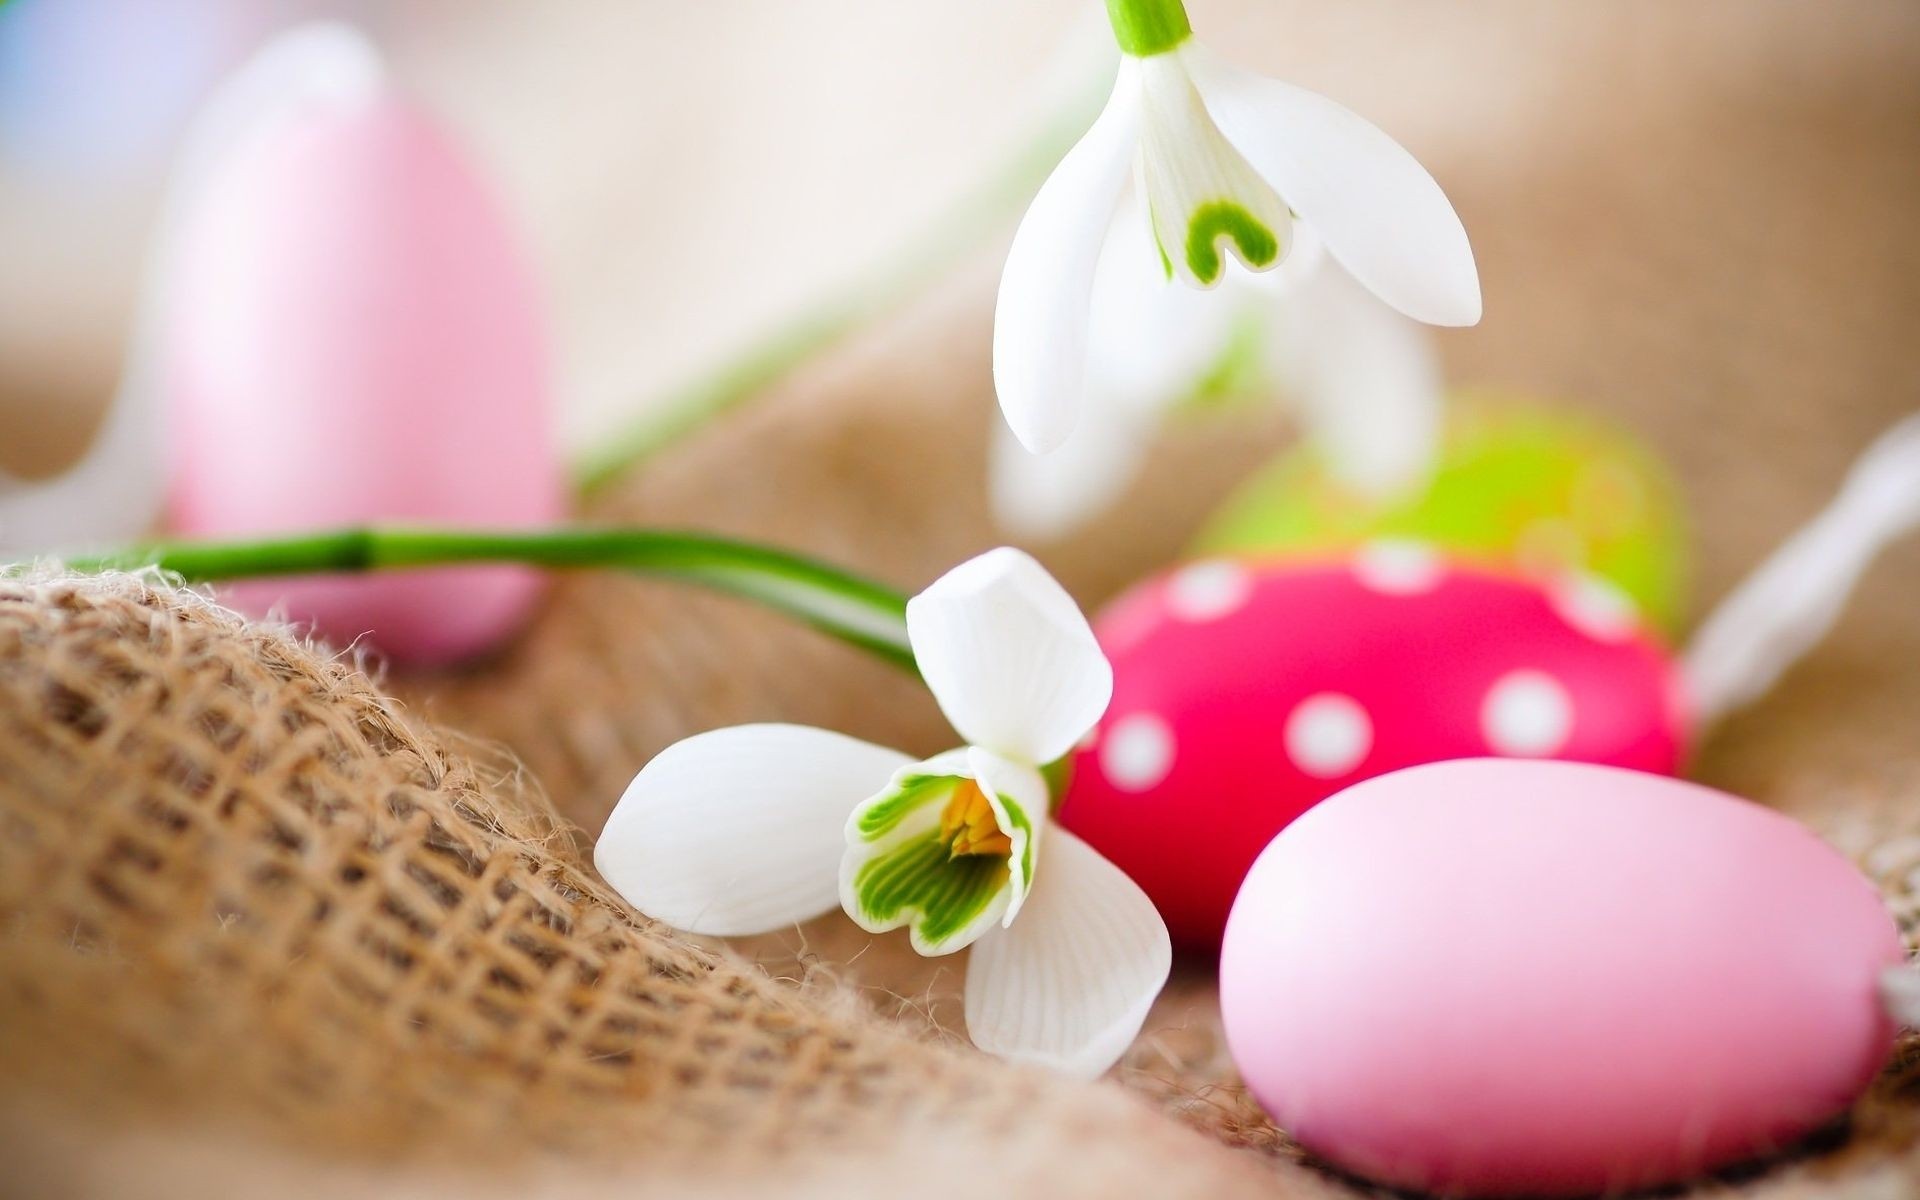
(1364, 380)
(754, 828)
(1227, 165)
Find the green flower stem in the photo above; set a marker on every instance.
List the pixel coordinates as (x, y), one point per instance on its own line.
(856, 610)
(1148, 27)
(902, 274)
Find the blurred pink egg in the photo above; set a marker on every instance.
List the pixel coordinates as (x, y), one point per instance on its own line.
(1498, 978)
(1244, 694)
(352, 335)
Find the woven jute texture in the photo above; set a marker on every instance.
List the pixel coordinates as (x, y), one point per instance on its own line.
(239, 885)
(268, 928)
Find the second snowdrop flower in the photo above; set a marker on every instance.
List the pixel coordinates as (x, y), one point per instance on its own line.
(754, 828)
(1361, 380)
(1227, 162)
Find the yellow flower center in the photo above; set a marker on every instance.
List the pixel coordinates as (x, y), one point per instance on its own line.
(968, 825)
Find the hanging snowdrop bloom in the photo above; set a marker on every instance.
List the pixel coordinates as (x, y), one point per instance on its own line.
(1228, 165)
(757, 827)
(1362, 380)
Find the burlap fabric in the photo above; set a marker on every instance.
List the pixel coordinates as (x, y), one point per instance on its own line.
(244, 891)
(264, 922)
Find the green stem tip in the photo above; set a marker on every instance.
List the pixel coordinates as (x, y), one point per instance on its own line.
(854, 609)
(1145, 28)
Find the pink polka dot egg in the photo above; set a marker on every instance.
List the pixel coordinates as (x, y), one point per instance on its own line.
(1245, 693)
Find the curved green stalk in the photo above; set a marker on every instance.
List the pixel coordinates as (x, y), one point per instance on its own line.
(903, 273)
(856, 610)
(1145, 28)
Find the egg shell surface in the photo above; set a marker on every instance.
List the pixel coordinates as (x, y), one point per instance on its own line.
(1518, 487)
(1506, 978)
(352, 336)
(1245, 693)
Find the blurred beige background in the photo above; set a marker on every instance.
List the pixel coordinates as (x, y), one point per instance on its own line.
(690, 175)
(686, 174)
(1694, 215)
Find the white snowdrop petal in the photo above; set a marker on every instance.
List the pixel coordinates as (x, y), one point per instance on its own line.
(1040, 319)
(1044, 496)
(1783, 610)
(1367, 381)
(1009, 656)
(1151, 342)
(1206, 202)
(1069, 984)
(1152, 339)
(1527, 714)
(1020, 800)
(1379, 212)
(740, 830)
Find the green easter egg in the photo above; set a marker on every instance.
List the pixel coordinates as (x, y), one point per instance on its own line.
(1516, 487)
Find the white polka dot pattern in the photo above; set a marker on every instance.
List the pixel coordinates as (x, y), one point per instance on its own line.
(1328, 735)
(1596, 608)
(1527, 714)
(1137, 752)
(1207, 591)
(1398, 568)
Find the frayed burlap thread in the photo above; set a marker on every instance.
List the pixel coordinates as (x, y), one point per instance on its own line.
(1693, 219)
(1696, 219)
(242, 890)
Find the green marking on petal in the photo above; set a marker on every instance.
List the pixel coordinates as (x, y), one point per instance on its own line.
(940, 852)
(1258, 246)
(1159, 246)
(883, 814)
(919, 882)
(1059, 776)
(1021, 822)
(1202, 195)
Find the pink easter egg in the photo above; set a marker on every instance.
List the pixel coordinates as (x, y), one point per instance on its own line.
(353, 336)
(1504, 978)
(1244, 694)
